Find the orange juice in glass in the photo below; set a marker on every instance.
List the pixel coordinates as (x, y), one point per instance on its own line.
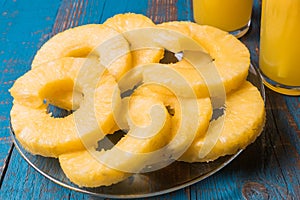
(279, 59)
(233, 16)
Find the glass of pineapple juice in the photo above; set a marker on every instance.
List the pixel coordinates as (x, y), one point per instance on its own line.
(279, 59)
(233, 16)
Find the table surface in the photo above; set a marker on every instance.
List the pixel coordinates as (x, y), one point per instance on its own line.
(267, 169)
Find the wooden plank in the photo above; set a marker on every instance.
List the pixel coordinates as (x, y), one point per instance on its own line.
(114, 7)
(286, 142)
(23, 182)
(293, 106)
(185, 10)
(169, 10)
(162, 10)
(77, 12)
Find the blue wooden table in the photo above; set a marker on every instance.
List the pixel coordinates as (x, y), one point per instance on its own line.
(267, 169)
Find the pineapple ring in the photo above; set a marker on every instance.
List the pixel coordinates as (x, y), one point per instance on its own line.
(240, 128)
(128, 22)
(48, 136)
(230, 56)
(89, 168)
(87, 41)
(92, 40)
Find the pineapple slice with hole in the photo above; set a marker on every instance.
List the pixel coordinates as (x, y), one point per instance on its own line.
(33, 91)
(88, 41)
(231, 57)
(91, 168)
(42, 134)
(92, 40)
(244, 121)
(130, 21)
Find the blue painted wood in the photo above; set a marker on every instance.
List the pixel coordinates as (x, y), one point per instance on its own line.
(23, 27)
(28, 184)
(293, 104)
(185, 10)
(123, 6)
(267, 169)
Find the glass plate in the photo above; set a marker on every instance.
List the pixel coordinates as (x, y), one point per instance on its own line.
(173, 177)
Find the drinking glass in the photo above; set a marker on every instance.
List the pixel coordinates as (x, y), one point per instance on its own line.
(279, 59)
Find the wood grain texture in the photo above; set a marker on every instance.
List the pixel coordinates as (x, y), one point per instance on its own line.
(23, 27)
(267, 169)
(169, 10)
(162, 10)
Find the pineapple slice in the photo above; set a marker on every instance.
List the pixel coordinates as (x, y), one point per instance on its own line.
(42, 134)
(83, 169)
(130, 21)
(93, 40)
(87, 41)
(231, 57)
(32, 89)
(244, 121)
(147, 133)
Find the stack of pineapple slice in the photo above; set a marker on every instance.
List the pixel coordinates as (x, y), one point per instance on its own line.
(81, 69)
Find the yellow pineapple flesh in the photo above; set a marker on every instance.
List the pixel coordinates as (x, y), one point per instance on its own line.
(37, 85)
(187, 116)
(128, 22)
(230, 56)
(83, 169)
(244, 121)
(92, 169)
(42, 134)
(84, 41)
(87, 41)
